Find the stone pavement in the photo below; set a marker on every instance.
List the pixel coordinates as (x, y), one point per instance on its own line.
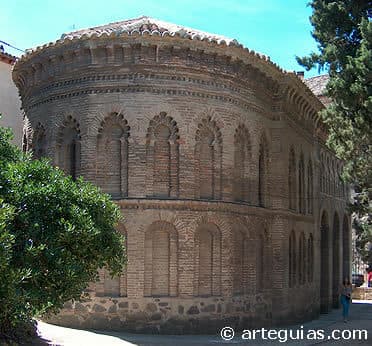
(360, 319)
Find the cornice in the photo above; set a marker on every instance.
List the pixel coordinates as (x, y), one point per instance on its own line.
(210, 206)
(169, 51)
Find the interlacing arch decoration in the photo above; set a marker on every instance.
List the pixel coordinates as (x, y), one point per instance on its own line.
(325, 280)
(207, 260)
(292, 261)
(346, 247)
(112, 155)
(310, 188)
(328, 177)
(162, 157)
(208, 159)
(324, 173)
(39, 141)
(338, 181)
(242, 162)
(292, 179)
(334, 178)
(27, 135)
(301, 185)
(302, 260)
(68, 147)
(263, 164)
(161, 266)
(310, 258)
(336, 262)
(321, 174)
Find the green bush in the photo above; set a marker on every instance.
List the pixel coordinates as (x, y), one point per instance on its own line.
(54, 235)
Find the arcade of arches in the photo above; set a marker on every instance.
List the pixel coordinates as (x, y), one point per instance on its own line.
(233, 207)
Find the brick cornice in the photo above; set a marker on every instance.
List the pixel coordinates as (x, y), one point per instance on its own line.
(214, 206)
(97, 53)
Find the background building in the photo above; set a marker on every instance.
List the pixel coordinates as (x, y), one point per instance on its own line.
(10, 104)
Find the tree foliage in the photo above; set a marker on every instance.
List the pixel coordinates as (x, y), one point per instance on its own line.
(343, 31)
(54, 235)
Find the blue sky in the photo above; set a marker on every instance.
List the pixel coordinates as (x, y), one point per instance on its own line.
(279, 29)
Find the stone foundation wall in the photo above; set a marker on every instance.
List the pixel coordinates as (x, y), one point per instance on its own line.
(167, 315)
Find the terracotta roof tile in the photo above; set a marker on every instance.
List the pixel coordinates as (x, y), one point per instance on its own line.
(317, 84)
(6, 57)
(150, 25)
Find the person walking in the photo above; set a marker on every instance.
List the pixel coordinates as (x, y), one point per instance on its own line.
(345, 293)
(369, 277)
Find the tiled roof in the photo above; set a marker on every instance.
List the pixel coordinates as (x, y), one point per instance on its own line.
(148, 25)
(6, 57)
(317, 84)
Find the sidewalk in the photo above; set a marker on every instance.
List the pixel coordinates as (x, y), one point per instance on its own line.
(360, 319)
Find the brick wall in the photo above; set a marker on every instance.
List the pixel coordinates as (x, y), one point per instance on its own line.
(215, 162)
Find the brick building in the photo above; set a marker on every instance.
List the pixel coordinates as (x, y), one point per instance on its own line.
(234, 211)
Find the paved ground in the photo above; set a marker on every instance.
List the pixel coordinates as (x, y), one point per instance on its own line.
(360, 319)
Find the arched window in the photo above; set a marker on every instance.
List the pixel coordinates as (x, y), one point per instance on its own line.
(260, 267)
(113, 286)
(324, 263)
(292, 260)
(328, 178)
(68, 147)
(334, 176)
(207, 261)
(310, 187)
(310, 259)
(336, 270)
(321, 174)
(238, 262)
(331, 177)
(337, 181)
(242, 157)
(301, 260)
(262, 172)
(346, 248)
(39, 142)
(161, 243)
(301, 185)
(112, 155)
(162, 157)
(292, 190)
(208, 155)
